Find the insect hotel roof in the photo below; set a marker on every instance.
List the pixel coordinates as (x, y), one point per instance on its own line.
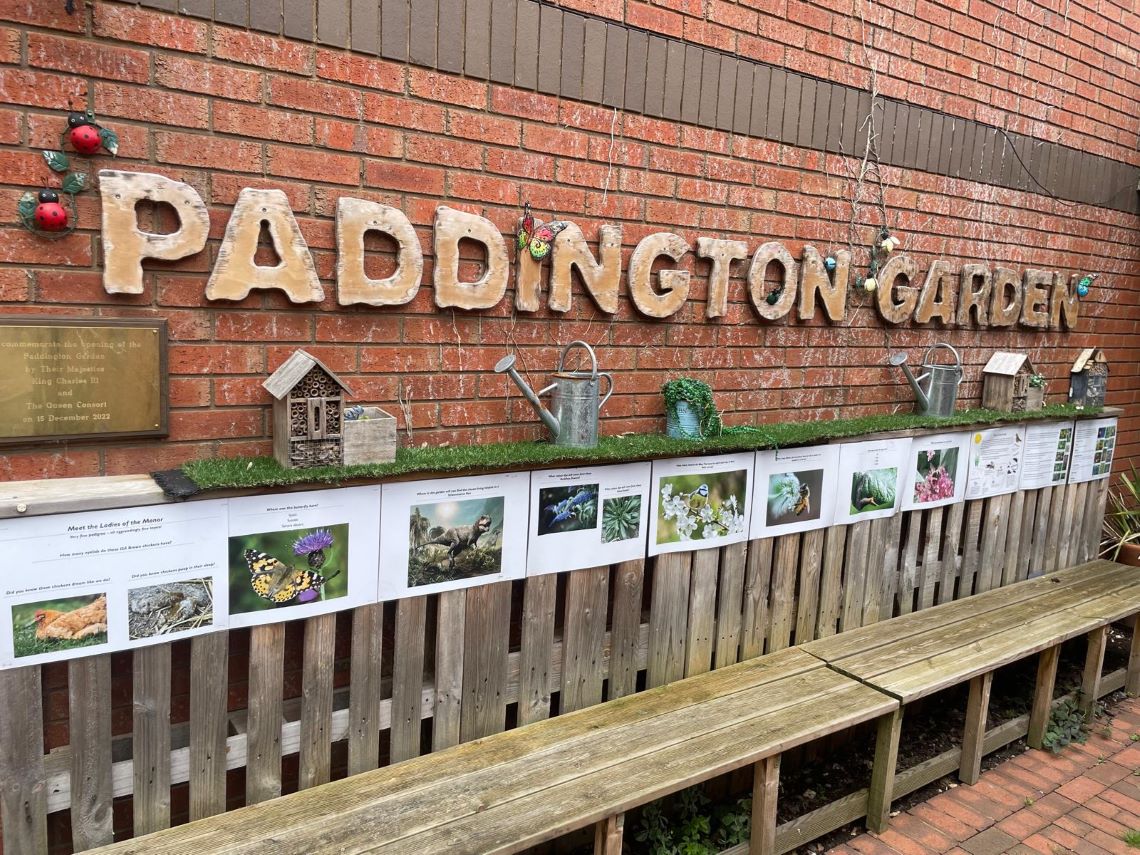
(1087, 358)
(1007, 364)
(293, 370)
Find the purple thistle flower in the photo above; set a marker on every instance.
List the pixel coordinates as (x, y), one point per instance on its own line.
(308, 596)
(314, 541)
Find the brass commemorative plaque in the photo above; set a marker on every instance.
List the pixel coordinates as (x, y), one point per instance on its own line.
(88, 378)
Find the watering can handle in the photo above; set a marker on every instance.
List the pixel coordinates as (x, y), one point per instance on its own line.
(593, 358)
(957, 358)
(609, 391)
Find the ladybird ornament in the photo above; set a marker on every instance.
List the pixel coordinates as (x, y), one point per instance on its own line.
(83, 134)
(50, 215)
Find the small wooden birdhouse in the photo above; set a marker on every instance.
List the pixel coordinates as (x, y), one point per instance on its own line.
(308, 413)
(1088, 378)
(1006, 382)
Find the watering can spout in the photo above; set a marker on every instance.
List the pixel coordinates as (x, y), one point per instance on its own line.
(506, 365)
(899, 361)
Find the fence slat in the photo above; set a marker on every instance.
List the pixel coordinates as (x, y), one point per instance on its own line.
(1061, 497)
(951, 560)
(1093, 526)
(209, 663)
(535, 664)
(587, 598)
(408, 678)
(757, 583)
(1075, 533)
(1028, 526)
(1012, 551)
(807, 607)
(317, 702)
(485, 649)
(729, 604)
(151, 739)
(702, 611)
(785, 566)
(971, 547)
(89, 713)
(854, 575)
(931, 566)
(668, 618)
(908, 572)
(995, 521)
(450, 616)
(889, 564)
(831, 581)
(23, 784)
(625, 634)
(364, 688)
(263, 729)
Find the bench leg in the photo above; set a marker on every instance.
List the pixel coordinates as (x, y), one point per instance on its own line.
(1043, 696)
(1132, 681)
(1094, 662)
(765, 788)
(608, 834)
(976, 710)
(883, 774)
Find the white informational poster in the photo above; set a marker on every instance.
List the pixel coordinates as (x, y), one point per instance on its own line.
(1048, 447)
(995, 461)
(937, 473)
(109, 580)
(1094, 443)
(700, 502)
(793, 488)
(587, 517)
(453, 533)
(295, 555)
(872, 476)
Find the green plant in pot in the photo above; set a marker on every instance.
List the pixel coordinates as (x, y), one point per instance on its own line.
(1122, 522)
(690, 412)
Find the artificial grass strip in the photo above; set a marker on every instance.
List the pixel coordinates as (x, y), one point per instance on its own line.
(244, 472)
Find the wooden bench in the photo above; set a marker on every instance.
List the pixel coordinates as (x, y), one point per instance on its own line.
(915, 655)
(516, 789)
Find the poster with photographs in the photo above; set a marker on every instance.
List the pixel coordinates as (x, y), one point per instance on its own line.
(1094, 443)
(793, 486)
(452, 533)
(110, 580)
(872, 476)
(937, 474)
(700, 502)
(587, 517)
(1047, 450)
(995, 462)
(295, 555)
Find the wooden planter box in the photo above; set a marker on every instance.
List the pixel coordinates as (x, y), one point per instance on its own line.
(370, 439)
(1034, 398)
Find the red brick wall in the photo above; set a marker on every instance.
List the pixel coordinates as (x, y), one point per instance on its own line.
(223, 108)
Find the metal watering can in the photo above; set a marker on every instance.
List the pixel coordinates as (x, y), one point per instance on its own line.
(574, 421)
(941, 394)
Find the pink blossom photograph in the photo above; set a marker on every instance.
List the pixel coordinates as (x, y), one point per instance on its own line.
(936, 475)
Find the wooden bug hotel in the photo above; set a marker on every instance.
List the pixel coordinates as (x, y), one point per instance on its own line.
(1006, 383)
(1088, 378)
(308, 413)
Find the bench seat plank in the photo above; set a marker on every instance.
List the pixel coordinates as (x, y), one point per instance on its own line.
(715, 722)
(855, 641)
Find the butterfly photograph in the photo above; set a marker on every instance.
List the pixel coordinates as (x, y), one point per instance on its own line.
(287, 568)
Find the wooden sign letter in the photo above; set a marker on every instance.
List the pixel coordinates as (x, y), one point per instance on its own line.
(899, 266)
(974, 299)
(235, 273)
(936, 299)
(674, 283)
(125, 245)
(831, 290)
(452, 226)
(354, 219)
(721, 253)
(1065, 303)
(1035, 306)
(758, 287)
(600, 278)
(1005, 300)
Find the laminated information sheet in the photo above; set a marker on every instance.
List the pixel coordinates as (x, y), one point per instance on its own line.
(793, 486)
(1047, 450)
(700, 502)
(1094, 443)
(872, 476)
(995, 461)
(937, 474)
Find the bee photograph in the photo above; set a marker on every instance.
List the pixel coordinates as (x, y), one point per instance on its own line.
(49, 626)
(279, 569)
(562, 509)
(794, 497)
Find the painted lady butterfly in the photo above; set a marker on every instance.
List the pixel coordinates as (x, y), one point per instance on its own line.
(280, 583)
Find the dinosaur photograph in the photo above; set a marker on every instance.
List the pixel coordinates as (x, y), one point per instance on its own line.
(455, 540)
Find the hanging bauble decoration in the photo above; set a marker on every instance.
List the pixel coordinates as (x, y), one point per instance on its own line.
(870, 284)
(829, 263)
(774, 295)
(1085, 283)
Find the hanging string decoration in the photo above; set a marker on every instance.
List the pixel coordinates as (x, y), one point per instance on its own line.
(879, 252)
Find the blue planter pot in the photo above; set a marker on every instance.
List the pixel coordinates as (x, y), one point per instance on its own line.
(683, 424)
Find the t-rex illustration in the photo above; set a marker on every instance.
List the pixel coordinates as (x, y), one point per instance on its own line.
(460, 538)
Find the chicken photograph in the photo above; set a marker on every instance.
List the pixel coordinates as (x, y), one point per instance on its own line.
(49, 626)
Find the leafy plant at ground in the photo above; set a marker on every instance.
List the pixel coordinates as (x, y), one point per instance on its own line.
(1066, 726)
(1132, 838)
(1122, 522)
(684, 824)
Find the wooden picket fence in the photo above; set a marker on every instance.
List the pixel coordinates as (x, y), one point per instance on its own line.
(475, 661)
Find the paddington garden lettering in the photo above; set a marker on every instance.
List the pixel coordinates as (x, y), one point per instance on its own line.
(974, 295)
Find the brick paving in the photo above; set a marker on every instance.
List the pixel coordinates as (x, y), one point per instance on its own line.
(1080, 801)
